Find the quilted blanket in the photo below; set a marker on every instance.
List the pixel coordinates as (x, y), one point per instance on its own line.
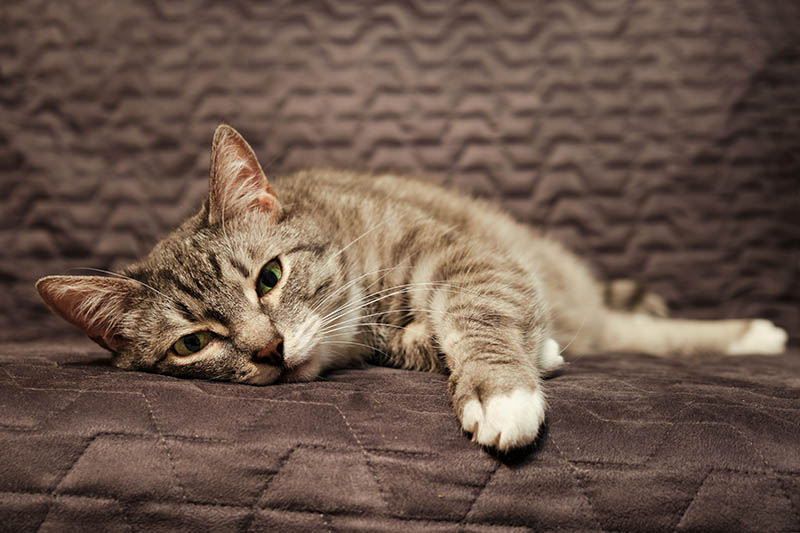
(659, 140)
(632, 443)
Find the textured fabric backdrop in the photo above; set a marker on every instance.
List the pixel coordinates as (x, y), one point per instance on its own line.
(661, 139)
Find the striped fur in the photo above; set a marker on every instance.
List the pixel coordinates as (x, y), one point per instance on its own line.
(375, 268)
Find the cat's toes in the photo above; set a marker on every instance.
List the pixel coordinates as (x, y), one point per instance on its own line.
(505, 421)
(551, 358)
(472, 416)
(761, 338)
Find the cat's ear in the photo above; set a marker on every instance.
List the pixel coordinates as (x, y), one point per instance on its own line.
(93, 303)
(237, 183)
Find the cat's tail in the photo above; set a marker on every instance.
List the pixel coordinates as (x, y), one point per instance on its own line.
(642, 333)
(633, 297)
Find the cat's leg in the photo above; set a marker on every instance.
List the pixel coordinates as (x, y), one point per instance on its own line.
(495, 363)
(633, 297)
(623, 316)
(627, 332)
(412, 348)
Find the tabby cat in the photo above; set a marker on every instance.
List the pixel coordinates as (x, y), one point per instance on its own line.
(283, 280)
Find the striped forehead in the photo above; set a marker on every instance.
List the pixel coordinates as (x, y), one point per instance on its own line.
(220, 258)
(196, 281)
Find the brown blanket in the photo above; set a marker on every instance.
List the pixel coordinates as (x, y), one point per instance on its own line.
(658, 139)
(632, 443)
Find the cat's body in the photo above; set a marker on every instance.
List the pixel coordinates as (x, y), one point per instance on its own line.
(286, 279)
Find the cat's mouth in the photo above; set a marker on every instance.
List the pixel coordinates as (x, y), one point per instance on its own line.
(301, 363)
(305, 370)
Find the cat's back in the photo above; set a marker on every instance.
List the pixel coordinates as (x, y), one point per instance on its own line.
(404, 212)
(388, 195)
(388, 218)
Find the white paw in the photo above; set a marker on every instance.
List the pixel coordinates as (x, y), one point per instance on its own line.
(505, 421)
(551, 358)
(761, 338)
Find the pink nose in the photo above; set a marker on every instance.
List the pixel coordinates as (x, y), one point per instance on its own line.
(272, 354)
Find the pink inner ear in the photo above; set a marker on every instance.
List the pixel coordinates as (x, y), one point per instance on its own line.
(94, 304)
(267, 202)
(237, 182)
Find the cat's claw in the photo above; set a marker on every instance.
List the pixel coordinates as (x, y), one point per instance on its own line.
(505, 421)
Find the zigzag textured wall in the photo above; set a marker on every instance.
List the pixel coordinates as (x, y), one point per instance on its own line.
(660, 139)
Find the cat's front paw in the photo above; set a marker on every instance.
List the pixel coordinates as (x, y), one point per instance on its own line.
(505, 421)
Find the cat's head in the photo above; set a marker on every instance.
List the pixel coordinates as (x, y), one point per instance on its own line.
(239, 292)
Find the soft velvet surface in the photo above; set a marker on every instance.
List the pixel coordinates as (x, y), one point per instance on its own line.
(632, 443)
(660, 139)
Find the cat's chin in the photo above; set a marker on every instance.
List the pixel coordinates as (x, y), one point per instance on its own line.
(262, 375)
(308, 370)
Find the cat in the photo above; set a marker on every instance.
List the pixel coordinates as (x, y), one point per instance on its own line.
(283, 280)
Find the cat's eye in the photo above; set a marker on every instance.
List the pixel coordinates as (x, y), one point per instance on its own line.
(192, 343)
(268, 277)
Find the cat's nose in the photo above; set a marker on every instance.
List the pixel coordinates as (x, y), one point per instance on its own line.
(272, 354)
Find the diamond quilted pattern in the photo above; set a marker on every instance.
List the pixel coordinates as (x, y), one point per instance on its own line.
(548, 500)
(123, 466)
(22, 511)
(16, 403)
(684, 444)
(94, 513)
(628, 441)
(726, 489)
(313, 478)
(633, 499)
(437, 493)
(221, 417)
(247, 466)
(272, 520)
(169, 516)
(32, 462)
(299, 463)
(103, 412)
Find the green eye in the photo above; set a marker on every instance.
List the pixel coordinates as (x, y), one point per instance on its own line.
(192, 343)
(268, 277)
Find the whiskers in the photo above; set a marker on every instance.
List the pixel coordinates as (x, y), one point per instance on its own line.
(347, 324)
(115, 274)
(332, 340)
(578, 332)
(368, 319)
(367, 300)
